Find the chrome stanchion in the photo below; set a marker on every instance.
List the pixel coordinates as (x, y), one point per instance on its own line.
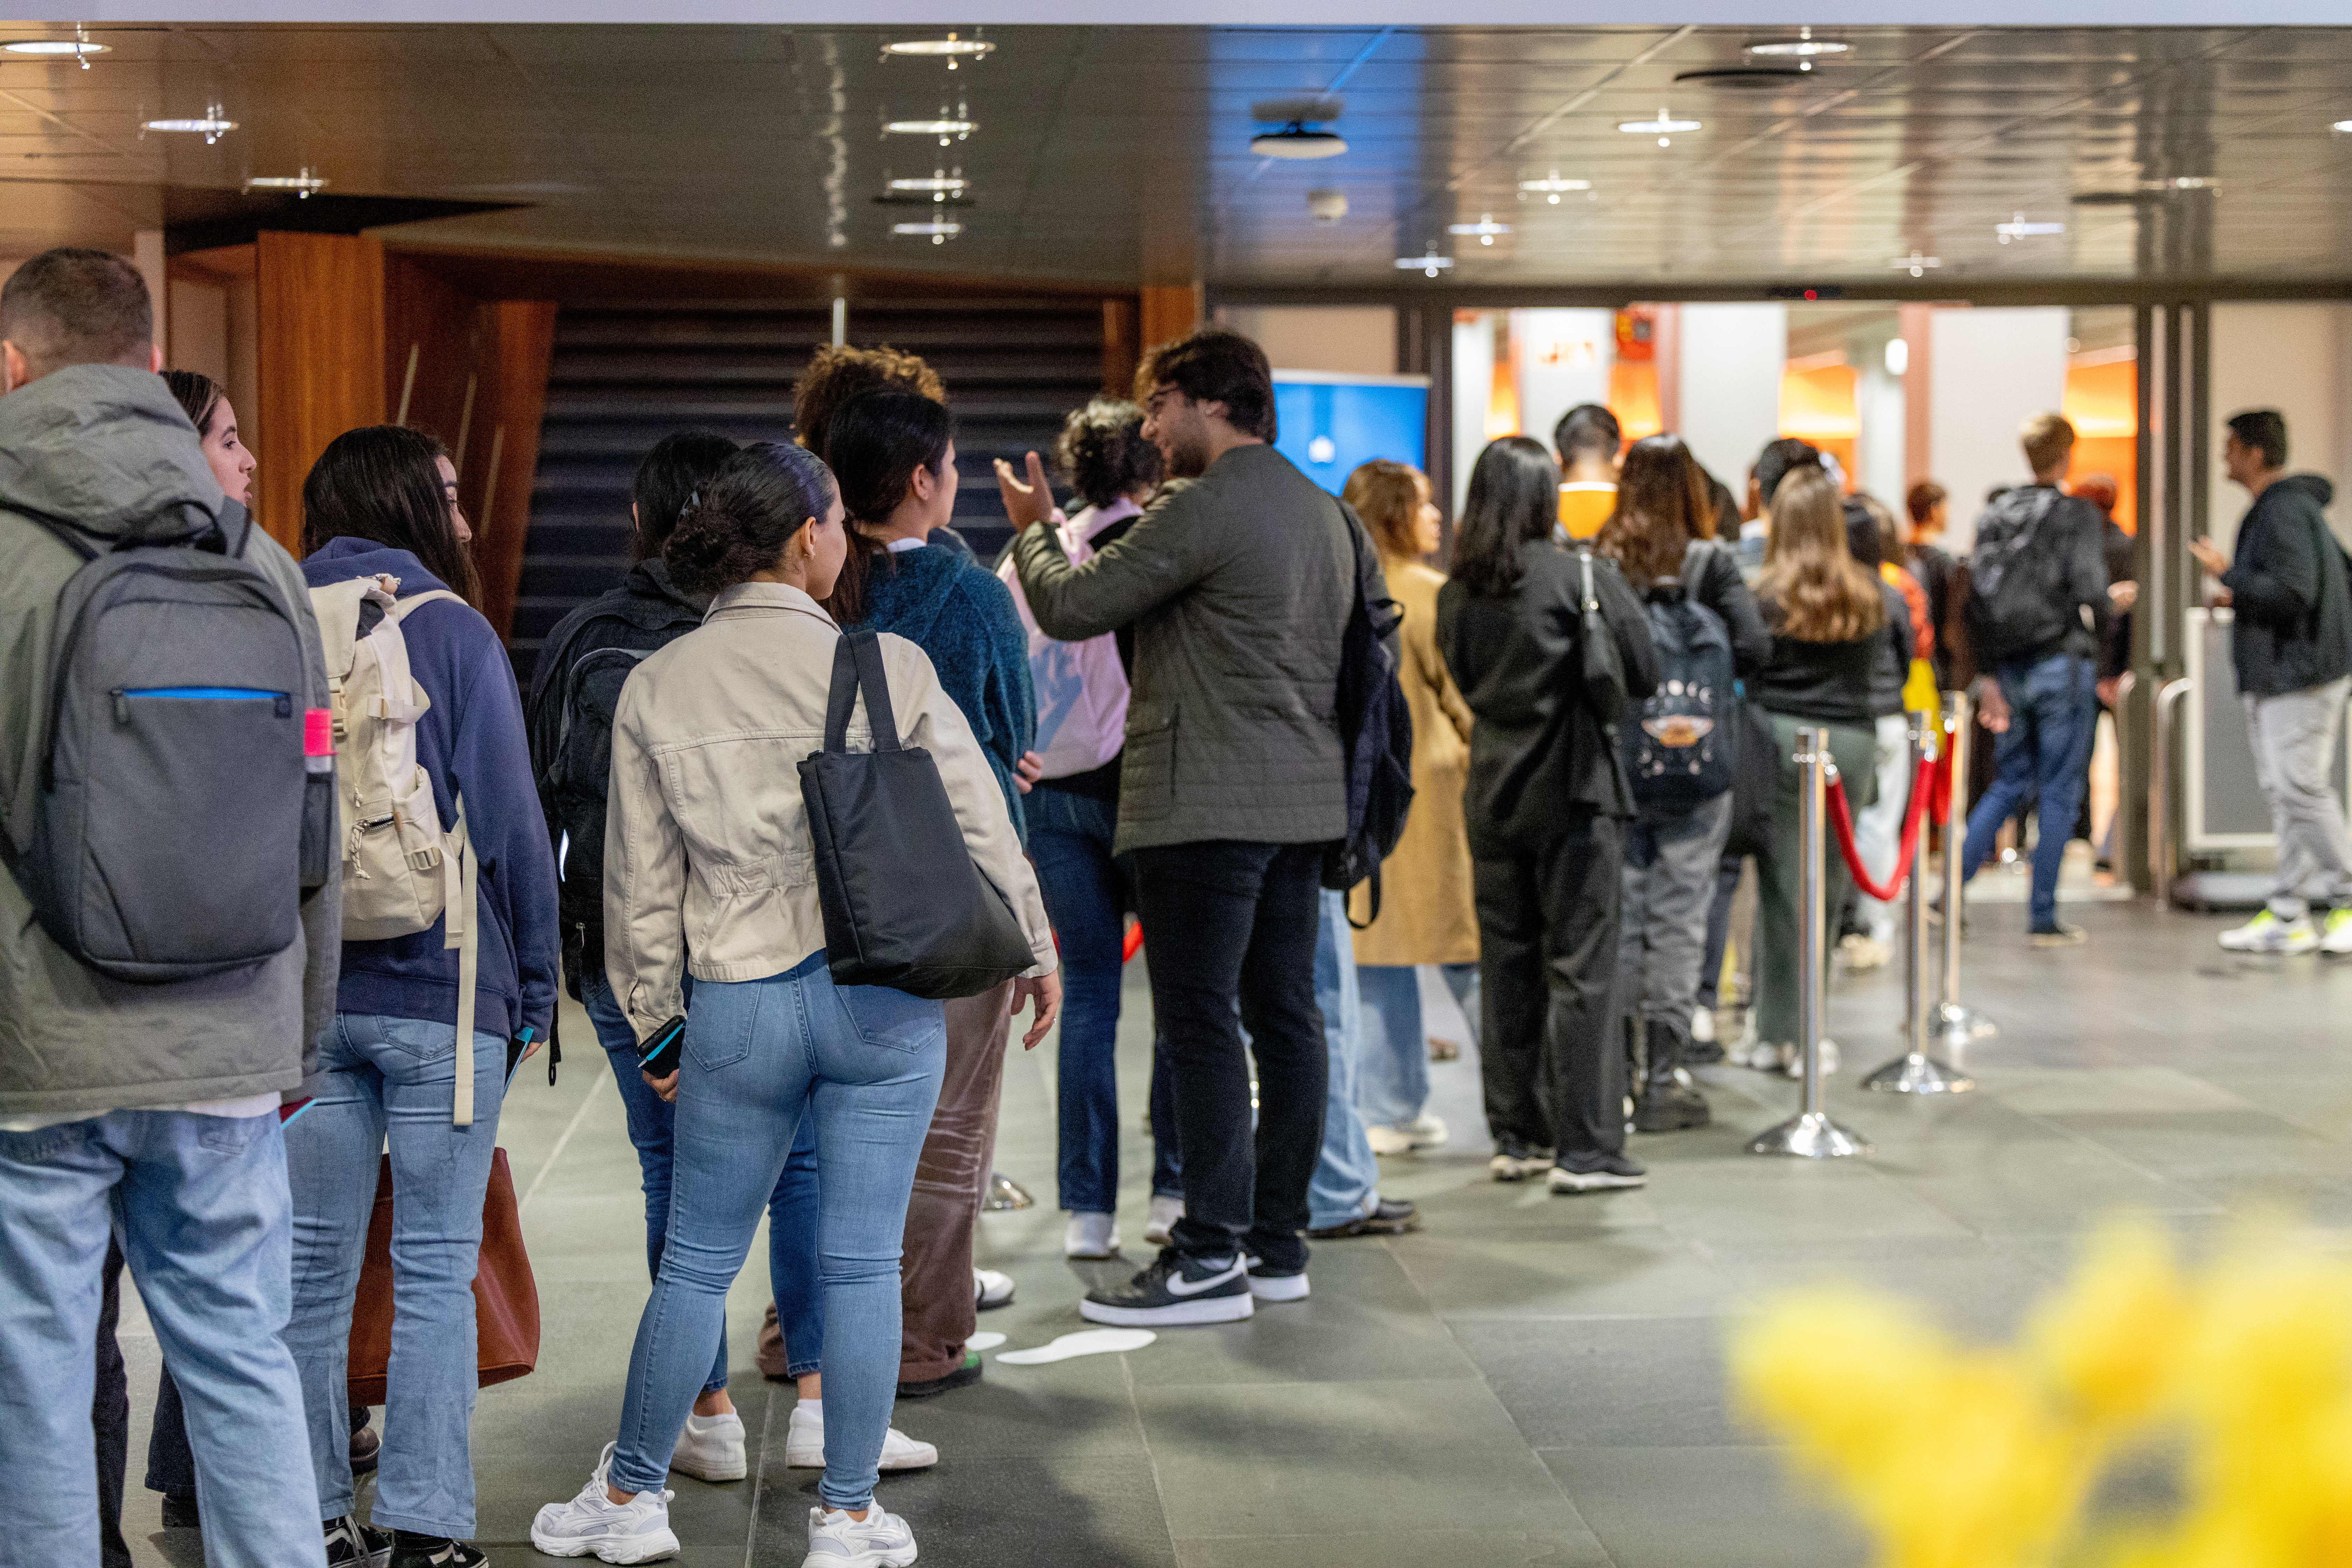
(1811, 1134)
(1916, 1072)
(1956, 1025)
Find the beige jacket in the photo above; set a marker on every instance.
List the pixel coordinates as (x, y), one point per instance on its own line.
(707, 862)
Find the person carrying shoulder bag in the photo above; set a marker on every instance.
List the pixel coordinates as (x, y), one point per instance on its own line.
(708, 829)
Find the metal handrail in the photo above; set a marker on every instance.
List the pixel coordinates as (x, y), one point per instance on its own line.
(2163, 845)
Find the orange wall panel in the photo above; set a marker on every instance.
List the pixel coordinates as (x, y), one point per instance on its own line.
(319, 337)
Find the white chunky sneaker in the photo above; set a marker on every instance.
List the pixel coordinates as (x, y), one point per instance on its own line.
(2336, 939)
(1423, 1132)
(991, 1288)
(880, 1540)
(2268, 933)
(804, 1443)
(1091, 1236)
(1794, 1064)
(593, 1524)
(711, 1448)
(1165, 1213)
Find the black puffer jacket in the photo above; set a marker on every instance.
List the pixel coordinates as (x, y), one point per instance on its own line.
(2292, 617)
(1539, 750)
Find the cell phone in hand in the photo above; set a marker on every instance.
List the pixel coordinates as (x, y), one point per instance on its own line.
(657, 1053)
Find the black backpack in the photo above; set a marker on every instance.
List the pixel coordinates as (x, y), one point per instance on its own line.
(1375, 734)
(2017, 600)
(176, 823)
(576, 779)
(1681, 748)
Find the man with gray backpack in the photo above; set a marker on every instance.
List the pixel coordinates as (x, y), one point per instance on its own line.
(171, 916)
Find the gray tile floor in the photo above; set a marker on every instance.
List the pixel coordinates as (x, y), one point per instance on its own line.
(1528, 1379)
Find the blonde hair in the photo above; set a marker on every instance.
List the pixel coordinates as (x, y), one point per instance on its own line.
(1387, 495)
(1823, 592)
(2047, 438)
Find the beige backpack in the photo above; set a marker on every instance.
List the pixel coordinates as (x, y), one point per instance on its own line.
(401, 872)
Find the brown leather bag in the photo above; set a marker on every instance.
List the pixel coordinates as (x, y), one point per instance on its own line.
(506, 1297)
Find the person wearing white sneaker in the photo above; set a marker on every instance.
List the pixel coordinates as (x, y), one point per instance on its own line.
(711, 1448)
(1091, 1235)
(604, 1522)
(804, 1442)
(2269, 932)
(867, 1537)
(1164, 1213)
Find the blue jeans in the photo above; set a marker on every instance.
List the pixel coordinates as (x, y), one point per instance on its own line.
(762, 1056)
(1395, 1080)
(200, 1204)
(394, 1075)
(2052, 708)
(1347, 1176)
(1086, 895)
(792, 1207)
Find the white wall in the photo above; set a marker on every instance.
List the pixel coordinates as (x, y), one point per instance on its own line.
(1355, 340)
(1879, 404)
(1732, 357)
(1988, 370)
(2297, 359)
(1564, 359)
(1474, 384)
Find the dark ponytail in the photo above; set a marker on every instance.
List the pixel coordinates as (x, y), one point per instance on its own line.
(739, 521)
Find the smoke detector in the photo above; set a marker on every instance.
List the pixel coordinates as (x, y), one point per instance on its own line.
(1328, 206)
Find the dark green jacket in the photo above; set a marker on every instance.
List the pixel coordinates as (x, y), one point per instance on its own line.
(107, 447)
(1238, 585)
(2291, 616)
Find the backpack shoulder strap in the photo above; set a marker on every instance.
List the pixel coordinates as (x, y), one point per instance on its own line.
(402, 610)
(866, 650)
(69, 534)
(337, 608)
(1696, 557)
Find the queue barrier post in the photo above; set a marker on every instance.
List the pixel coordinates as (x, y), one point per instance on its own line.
(1956, 1025)
(1914, 1072)
(1811, 1134)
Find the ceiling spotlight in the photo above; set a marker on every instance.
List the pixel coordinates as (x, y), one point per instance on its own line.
(2018, 229)
(77, 47)
(2181, 183)
(948, 127)
(1664, 127)
(939, 184)
(1485, 228)
(950, 48)
(1428, 264)
(1295, 141)
(1915, 264)
(302, 184)
(212, 127)
(1803, 47)
(939, 229)
(1550, 186)
(2345, 125)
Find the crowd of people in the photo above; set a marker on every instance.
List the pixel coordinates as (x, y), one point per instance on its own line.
(215, 1073)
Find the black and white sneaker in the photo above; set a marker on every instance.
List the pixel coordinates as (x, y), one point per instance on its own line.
(1596, 1173)
(351, 1544)
(1174, 1292)
(1268, 1283)
(411, 1549)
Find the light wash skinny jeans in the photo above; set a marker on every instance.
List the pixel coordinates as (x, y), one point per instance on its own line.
(866, 1061)
(1347, 1175)
(201, 1204)
(1395, 1084)
(396, 1077)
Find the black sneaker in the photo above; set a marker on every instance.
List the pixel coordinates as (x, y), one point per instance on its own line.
(1175, 1291)
(180, 1511)
(1388, 1218)
(963, 1376)
(351, 1544)
(1596, 1173)
(2057, 933)
(1516, 1162)
(411, 1549)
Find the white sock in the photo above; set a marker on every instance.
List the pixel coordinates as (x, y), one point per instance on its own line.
(811, 1408)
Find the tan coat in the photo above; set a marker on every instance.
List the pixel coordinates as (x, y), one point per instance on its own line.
(1427, 915)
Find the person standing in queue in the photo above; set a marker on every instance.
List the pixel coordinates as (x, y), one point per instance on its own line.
(708, 832)
(1545, 807)
(1239, 586)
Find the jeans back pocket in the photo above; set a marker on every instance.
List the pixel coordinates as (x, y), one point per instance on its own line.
(884, 1016)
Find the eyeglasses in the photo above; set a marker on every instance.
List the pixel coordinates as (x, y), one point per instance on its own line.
(1153, 405)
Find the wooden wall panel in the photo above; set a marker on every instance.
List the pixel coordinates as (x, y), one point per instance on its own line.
(320, 352)
(501, 456)
(431, 342)
(1121, 348)
(1170, 313)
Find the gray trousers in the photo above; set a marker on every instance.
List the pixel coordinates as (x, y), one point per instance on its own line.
(2294, 737)
(1670, 872)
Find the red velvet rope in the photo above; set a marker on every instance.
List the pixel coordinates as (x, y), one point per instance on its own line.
(1922, 787)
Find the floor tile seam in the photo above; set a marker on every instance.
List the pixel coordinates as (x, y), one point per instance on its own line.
(1150, 1454)
(2087, 1141)
(563, 1140)
(759, 1477)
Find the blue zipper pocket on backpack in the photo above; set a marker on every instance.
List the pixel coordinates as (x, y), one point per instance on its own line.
(123, 695)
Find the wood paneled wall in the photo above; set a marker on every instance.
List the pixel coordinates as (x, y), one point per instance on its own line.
(501, 455)
(319, 350)
(1169, 312)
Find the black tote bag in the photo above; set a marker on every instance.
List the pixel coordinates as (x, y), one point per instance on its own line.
(904, 906)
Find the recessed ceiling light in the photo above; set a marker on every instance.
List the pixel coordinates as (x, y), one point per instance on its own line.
(2181, 183)
(211, 125)
(939, 229)
(1296, 142)
(1430, 263)
(1804, 45)
(1915, 264)
(936, 183)
(1485, 228)
(2018, 229)
(68, 48)
(1550, 186)
(1664, 127)
(2343, 125)
(946, 127)
(950, 48)
(304, 183)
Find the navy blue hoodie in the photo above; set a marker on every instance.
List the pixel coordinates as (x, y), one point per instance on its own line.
(471, 740)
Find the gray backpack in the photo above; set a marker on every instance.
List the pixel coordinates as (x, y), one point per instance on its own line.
(176, 823)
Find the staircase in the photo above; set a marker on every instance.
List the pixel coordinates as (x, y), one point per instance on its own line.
(627, 372)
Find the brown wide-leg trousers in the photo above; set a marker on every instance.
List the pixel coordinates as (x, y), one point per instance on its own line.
(950, 1181)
